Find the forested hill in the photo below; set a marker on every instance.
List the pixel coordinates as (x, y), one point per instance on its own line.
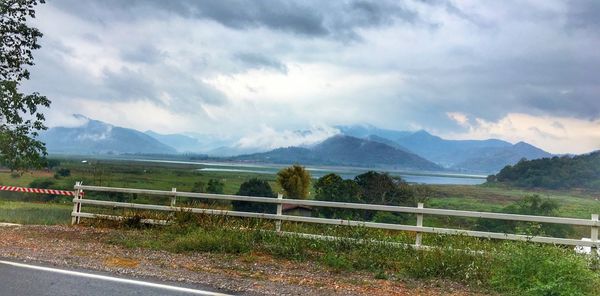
(581, 171)
(347, 151)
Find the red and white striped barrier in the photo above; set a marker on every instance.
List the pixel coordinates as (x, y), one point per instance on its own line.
(37, 190)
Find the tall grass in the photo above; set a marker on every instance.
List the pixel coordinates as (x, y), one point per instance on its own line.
(35, 213)
(512, 268)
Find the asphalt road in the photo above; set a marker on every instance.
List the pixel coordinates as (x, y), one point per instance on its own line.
(34, 280)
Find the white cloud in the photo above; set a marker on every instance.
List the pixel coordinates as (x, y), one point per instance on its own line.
(460, 118)
(554, 134)
(269, 138)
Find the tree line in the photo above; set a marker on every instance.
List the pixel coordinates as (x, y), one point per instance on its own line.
(582, 171)
(370, 188)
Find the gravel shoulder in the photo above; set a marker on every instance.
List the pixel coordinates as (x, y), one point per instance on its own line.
(254, 274)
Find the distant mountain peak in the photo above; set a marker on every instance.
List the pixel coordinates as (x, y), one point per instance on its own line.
(348, 151)
(97, 137)
(521, 143)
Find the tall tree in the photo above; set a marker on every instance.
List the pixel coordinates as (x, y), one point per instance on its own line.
(332, 187)
(381, 188)
(254, 187)
(20, 118)
(295, 181)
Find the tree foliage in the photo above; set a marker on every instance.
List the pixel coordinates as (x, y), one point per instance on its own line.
(199, 187)
(215, 186)
(332, 187)
(295, 181)
(529, 205)
(255, 187)
(20, 118)
(370, 187)
(582, 171)
(381, 188)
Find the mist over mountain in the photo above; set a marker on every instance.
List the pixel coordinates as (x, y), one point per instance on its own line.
(367, 130)
(493, 159)
(358, 145)
(181, 143)
(97, 137)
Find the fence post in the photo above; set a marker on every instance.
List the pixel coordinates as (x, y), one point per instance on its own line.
(419, 238)
(173, 197)
(594, 236)
(279, 212)
(76, 205)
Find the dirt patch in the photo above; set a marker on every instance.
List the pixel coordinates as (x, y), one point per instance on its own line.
(121, 262)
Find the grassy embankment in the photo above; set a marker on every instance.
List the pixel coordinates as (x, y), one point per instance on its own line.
(509, 268)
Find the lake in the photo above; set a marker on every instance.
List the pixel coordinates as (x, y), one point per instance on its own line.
(345, 172)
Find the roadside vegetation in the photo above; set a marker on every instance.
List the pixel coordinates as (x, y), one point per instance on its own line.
(35, 213)
(510, 268)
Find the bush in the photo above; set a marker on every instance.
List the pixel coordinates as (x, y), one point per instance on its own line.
(42, 184)
(525, 269)
(529, 205)
(255, 187)
(215, 186)
(295, 181)
(332, 187)
(62, 172)
(199, 187)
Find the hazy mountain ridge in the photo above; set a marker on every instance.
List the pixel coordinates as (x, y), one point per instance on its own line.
(361, 145)
(482, 156)
(181, 143)
(97, 137)
(346, 150)
(493, 159)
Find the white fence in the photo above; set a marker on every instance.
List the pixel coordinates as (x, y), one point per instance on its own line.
(420, 211)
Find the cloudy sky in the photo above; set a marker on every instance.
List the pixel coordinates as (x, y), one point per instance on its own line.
(516, 70)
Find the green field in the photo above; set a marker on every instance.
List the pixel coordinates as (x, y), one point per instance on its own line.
(34, 213)
(164, 176)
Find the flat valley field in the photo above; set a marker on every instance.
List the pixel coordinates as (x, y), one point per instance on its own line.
(42, 209)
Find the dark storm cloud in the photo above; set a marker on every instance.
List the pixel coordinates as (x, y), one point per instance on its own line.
(257, 60)
(146, 53)
(337, 19)
(174, 90)
(584, 14)
(55, 78)
(127, 84)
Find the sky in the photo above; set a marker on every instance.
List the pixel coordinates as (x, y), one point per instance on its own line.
(259, 71)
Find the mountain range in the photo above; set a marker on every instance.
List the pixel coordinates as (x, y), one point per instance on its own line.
(357, 145)
(97, 137)
(348, 151)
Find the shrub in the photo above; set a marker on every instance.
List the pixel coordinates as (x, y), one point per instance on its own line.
(62, 172)
(525, 269)
(215, 186)
(255, 187)
(199, 187)
(295, 181)
(332, 187)
(43, 184)
(529, 205)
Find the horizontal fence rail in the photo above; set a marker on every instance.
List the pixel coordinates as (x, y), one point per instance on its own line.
(593, 223)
